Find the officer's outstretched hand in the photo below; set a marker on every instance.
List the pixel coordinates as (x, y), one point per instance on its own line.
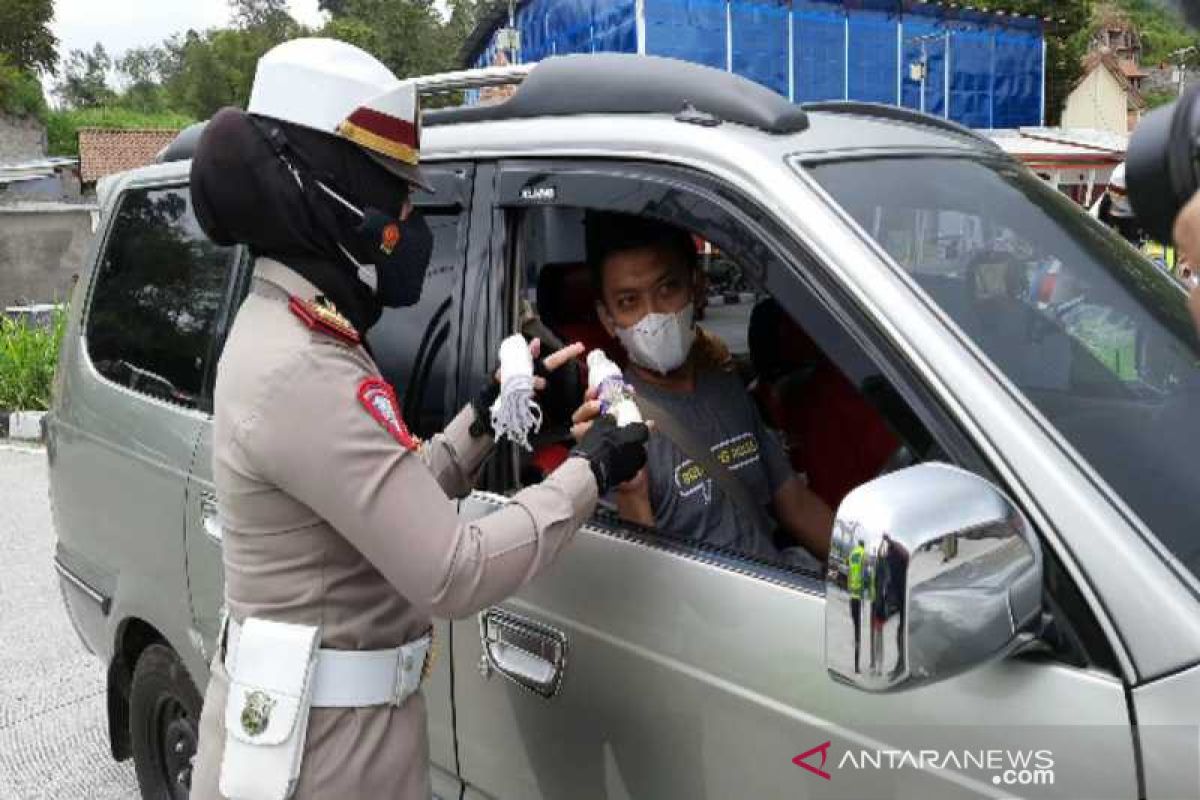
(615, 454)
(543, 369)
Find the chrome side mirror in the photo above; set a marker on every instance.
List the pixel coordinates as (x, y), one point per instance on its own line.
(931, 571)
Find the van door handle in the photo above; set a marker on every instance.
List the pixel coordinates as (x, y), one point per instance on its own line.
(208, 516)
(526, 652)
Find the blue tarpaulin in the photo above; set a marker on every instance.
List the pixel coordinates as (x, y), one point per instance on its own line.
(1017, 80)
(873, 42)
(693, 30)
(979, 69)
(760, 43)
(818, 52)
(971, 77)
(556, 27)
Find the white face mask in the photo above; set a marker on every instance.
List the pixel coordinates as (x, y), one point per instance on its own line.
(660, 342)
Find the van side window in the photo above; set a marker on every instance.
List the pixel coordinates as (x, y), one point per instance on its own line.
(767, 403)
(158, 290)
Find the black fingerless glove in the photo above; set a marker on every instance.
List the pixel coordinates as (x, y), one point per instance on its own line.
(482, 403)
(614, 454)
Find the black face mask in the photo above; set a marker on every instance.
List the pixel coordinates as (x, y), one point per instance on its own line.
(400, 252)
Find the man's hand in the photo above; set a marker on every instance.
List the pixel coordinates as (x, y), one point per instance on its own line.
(585, 415)
(805, 516)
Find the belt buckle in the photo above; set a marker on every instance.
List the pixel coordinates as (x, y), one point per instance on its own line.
(403, 659)
(406, 665)
(431, 655)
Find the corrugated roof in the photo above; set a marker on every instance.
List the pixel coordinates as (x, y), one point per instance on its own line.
(33, 170)
(105, 151)
(1060, 145)
(1090, 138)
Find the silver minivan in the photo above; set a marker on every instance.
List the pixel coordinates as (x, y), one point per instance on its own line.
(996, 393)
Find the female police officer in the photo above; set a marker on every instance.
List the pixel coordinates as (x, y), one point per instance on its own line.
(340, 539)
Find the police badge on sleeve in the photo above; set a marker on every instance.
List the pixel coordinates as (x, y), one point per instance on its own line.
(379, 399)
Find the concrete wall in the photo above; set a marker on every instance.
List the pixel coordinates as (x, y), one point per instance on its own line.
(21, 139)
(41, 249)
(1098, 102)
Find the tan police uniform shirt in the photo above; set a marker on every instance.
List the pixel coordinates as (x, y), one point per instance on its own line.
(329, 520)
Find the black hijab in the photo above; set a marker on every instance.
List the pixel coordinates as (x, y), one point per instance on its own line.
(244, 193)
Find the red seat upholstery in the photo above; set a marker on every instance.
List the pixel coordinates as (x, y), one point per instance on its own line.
(833, 434)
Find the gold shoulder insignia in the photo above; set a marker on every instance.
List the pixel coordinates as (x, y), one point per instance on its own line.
(321, 315)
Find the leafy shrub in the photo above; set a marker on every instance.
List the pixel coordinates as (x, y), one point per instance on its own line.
(20, 92)
(28, 354)
(62, 126)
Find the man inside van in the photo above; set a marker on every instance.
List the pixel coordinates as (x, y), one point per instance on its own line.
(646, 276)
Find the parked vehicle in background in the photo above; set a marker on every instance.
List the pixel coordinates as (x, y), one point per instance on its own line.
(1022, 452)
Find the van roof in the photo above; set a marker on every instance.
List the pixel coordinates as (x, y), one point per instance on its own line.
(831, 129)
(630, 91)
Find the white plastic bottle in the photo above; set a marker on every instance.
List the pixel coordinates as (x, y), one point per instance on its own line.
(615, 395)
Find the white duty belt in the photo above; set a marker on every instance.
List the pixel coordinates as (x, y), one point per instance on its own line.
(353, 678)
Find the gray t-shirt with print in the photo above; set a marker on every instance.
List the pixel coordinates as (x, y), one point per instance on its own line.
(687, 503)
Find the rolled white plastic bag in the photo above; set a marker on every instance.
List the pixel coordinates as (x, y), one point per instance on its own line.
(515, 414)
(615, 395)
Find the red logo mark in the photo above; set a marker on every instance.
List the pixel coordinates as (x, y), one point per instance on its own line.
(823, 749)
(391, 238)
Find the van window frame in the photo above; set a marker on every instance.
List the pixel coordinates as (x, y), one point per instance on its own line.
(203, 405)
(797, 279)
(807, 281)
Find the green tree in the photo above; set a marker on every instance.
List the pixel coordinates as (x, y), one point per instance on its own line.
(25, 38)
(269, 18)
(334, 7)
(406, 35)
(141, 70)
(20, 92)
(84, 83)
(464, 16)
(1161, 28)
(202, 72)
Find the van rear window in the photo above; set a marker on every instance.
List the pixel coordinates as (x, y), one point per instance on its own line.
(159, 287)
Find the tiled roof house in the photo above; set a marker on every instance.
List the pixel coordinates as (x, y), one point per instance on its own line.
(103, 151)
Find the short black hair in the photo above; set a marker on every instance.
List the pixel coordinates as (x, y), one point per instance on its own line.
(609, 232)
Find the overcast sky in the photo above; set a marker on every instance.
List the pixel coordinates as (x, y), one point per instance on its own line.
(122, 24)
